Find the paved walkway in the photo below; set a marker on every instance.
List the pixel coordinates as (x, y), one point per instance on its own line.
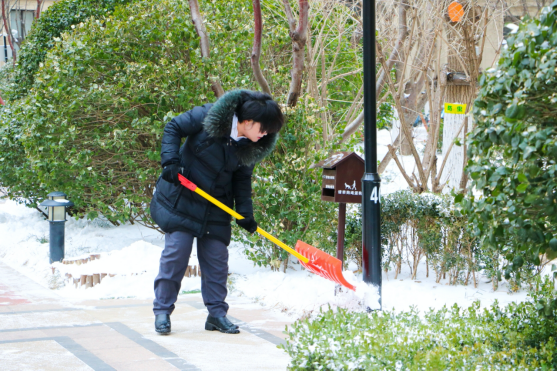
(41, 331)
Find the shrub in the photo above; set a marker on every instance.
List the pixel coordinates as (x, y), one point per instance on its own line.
(513, 149)
(417, 226)
(520, 336)
(57, 19)
(93, 123)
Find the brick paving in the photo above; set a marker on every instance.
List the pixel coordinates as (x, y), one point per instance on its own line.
(41, 331)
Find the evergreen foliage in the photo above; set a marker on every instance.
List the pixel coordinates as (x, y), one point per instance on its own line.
(417, 226)
(91, 124)
(58, 18)
(513, 149)
(520, 336)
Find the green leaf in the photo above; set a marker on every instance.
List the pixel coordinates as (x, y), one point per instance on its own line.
(522, 178)
(512, 111)
(553, 244)
(528, 151)
(518, 261)
(522, 187)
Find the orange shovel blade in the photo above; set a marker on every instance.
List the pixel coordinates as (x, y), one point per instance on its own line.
(322, 264)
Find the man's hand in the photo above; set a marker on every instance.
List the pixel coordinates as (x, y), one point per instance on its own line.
(248, 223)
(170, 173)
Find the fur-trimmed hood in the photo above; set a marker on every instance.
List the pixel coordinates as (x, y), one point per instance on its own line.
(218, 124)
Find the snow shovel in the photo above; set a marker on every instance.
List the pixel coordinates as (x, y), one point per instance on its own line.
(313, 259)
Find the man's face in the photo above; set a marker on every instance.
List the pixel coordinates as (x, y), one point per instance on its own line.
(252, 130)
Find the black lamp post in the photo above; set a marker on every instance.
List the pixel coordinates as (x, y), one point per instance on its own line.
(371, 201)
(56, 204)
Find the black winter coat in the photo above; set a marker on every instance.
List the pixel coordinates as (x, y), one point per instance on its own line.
(213, 161)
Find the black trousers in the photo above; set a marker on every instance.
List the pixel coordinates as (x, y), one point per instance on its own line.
(213, 260)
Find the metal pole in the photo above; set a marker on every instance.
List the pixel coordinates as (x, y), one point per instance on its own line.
(56, 241)
(5, 50)
(371, 206)
(340, 230)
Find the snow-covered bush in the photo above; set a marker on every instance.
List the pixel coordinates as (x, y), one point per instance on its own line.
(519, 337)
(415, 227)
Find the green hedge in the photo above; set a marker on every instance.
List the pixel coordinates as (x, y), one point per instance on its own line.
(517, 337)
(58, 18)
(93, 122)
(426, 227)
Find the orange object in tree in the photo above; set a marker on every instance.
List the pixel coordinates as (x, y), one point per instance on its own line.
(313, 259)
(456, 11)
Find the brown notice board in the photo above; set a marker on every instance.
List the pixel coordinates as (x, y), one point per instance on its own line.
(342, 177)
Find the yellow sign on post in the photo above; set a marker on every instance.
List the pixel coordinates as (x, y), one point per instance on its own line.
(454, 108)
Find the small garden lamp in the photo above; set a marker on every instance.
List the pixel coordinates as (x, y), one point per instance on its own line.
(57, 203)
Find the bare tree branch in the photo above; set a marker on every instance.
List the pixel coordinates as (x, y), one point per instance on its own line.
(8, 31)
(392, 151)
(204, 42)
(403, 125)
(352, 127)
(39, 7)
(299, 36)
(388, 157)
(256, 51)
(289, 16)
(402, 35)
(342, 75)
(484, 37)
(409, 47)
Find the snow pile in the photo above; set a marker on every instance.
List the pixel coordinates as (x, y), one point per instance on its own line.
(299, 292)
(131, 254)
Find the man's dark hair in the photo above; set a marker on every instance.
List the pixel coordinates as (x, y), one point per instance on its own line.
(261, 107)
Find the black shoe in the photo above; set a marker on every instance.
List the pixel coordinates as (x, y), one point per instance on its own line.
(221, 324)
(162, 324)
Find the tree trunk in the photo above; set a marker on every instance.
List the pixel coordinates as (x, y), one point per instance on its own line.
(38, 11)
(197, 20)
(461, 55)
(256, 51)
(298, 35)
(1, 101)
(8, 30)
(383, 75)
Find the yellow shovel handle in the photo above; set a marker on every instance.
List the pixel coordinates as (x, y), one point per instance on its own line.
(259, 230)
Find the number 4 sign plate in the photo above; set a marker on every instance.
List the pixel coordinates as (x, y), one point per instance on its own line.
(375, 196)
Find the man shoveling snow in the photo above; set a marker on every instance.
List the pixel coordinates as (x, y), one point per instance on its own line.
(224, 142)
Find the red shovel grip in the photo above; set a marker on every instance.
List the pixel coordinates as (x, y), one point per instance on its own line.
(186, 183)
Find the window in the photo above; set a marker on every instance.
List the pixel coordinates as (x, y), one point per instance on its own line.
(20, 24)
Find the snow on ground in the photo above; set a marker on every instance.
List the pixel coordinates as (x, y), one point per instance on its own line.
(130, 253)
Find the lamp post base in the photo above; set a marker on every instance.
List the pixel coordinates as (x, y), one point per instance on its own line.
(57, 241)
(371, 232)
